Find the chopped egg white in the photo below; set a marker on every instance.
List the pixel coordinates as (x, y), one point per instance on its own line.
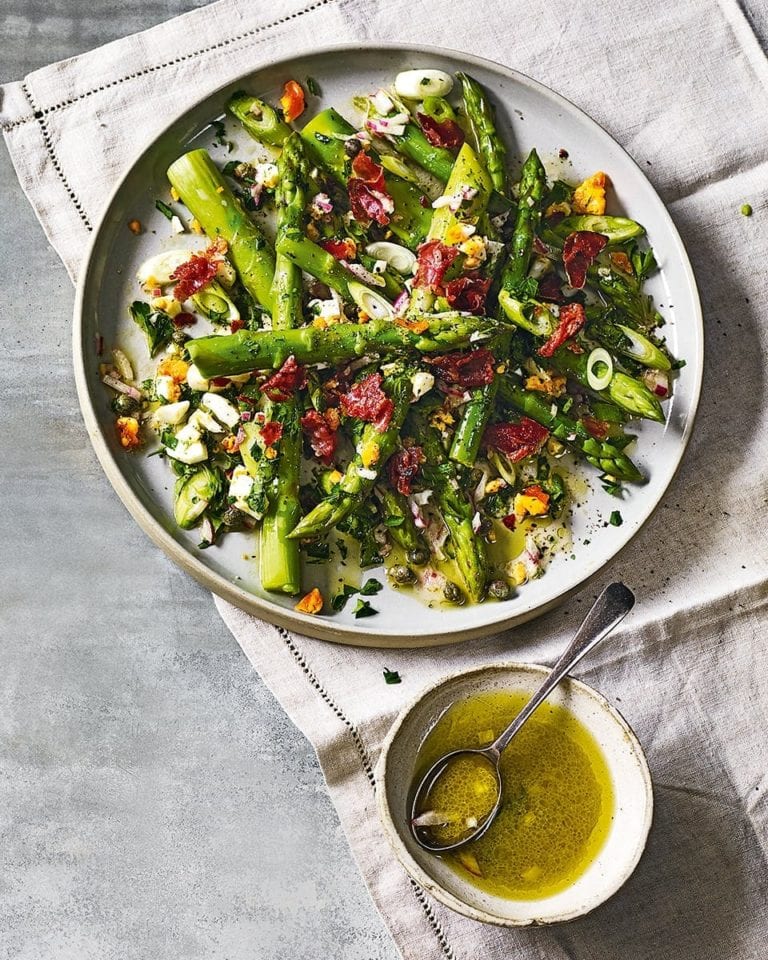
(194, 379)
(171, 413)
(417, 84)
(202, 420)
(422, 382)
(221, 408)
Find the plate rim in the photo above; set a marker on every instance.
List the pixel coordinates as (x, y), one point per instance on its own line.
(263, 608)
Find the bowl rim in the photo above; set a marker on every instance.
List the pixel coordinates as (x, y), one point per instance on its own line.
(432, 886)
(264, 607)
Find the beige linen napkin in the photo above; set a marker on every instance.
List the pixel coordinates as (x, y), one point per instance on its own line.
(684, 88)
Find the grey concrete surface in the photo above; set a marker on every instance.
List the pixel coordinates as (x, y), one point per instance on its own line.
(155, 802)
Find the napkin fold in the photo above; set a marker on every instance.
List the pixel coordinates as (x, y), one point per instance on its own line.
(685, 89)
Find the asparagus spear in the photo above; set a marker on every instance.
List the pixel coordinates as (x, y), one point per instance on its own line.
(600, 453)
(316, 261)
(279, 558)
(321, 136)
(413, 144)
(260, 119)
(222, 356)
(626, 392)
(489, 144)
(467, 171)
(457, 512)
(372, 450)
(207, 196)
(405, 533)
(533, 185)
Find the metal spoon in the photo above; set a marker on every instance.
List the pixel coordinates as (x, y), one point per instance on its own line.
(610, 608)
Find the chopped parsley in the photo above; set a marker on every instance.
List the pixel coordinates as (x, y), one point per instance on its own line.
(339, 600)
(616, 519)
(394, 521)
(392, 676)
(168, 439)
(313, 86)
(363, 609)
(370, 587)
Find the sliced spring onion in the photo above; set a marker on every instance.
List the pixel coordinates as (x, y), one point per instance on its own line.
(395, 256)
(214, 302)
(417, 84)
(376, 306)
(643, 350)
(599, 369)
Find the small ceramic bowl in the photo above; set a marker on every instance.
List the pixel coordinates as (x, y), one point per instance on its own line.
(626, 762)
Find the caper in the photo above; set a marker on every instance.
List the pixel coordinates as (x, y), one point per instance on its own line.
(402, 574)
(179, 336)
(233, 518)
(418, 556)
(123, 404)
(352, 147)
(499, 590)
(453, 592)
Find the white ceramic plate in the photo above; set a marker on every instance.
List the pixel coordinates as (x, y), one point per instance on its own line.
(529, 114)
(630, 779)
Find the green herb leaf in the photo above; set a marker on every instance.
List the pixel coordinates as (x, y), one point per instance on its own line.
(164, 209)
(394, 521)
(318, 552)
(370, 587)
(168, 439)
(339, 600)
(313, 86)
(392, 676)
(157, 326)
(616, 519)
(363, 609)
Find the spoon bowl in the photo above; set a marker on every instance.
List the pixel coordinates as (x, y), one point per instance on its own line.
(610, 608)
(423, 826)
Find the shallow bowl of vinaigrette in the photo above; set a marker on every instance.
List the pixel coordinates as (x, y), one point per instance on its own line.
(577, 800)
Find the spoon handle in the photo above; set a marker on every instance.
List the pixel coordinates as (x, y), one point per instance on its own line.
(610, 608)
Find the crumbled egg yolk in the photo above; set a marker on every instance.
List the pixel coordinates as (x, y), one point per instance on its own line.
(458, 233)
(589, 196)
(311, 603)
(174, 368)
(128, 432)
(335, 477)
(168, 305)
(553, 385)
(194, 226)
(493, 486)
(528, 504)
(441, 419)
(369, 453)
(474, 250)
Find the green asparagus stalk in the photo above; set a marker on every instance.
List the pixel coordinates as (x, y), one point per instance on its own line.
(311, 258)
(321, 136)
(457, 512)
(467, 171)
(489, 144)
(208, 198)
(372, 450)
(405, 533)
(222, 356)
(412, 144)
(477, 412)
(626, 392)
(600, 453)
(533, 185)
(616, 229)
(279, 557)
(260, 119)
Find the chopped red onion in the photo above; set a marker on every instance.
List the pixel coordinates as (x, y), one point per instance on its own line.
(121, 387)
